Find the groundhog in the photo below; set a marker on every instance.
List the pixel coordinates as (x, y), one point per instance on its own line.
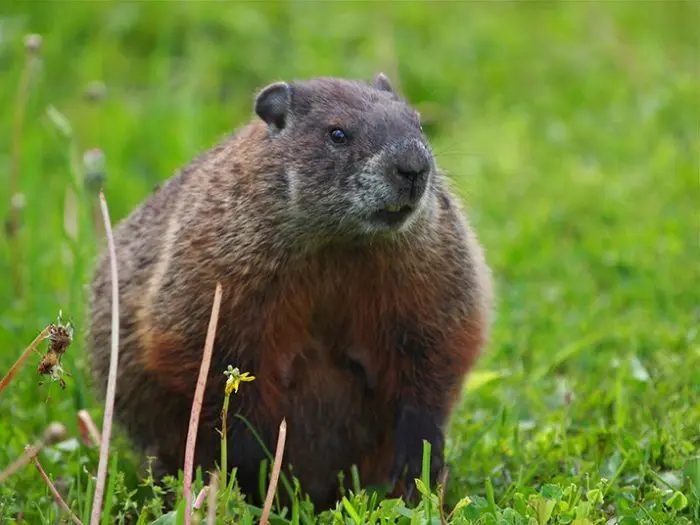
(354, 290)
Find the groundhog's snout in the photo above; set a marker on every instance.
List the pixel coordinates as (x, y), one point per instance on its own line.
(407, 168)
(411, 166)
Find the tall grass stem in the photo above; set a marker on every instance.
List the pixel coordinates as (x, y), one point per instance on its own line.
(197, 403)
(112, 377)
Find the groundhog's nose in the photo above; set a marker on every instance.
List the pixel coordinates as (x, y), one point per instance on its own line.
(412, 163)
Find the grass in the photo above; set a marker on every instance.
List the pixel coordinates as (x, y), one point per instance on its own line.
(571, 129)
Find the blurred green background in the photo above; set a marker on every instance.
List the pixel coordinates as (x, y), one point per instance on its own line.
(571, 130)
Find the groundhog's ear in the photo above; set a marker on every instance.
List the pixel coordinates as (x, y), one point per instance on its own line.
(272, 104)
(381, 81)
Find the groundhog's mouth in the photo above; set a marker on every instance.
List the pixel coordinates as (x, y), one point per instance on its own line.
(392, 215)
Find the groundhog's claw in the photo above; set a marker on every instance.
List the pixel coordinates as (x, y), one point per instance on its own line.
(413, 426)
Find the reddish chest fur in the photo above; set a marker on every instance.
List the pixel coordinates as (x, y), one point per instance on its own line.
(326, 359)
(321, 317)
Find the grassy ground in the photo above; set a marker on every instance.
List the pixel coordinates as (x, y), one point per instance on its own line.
(570, 129)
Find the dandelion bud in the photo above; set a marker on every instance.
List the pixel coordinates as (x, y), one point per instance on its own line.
(18, 201)
(13, 222)
(32, 43)
(95, 91)
(94, 163)
(54, 432)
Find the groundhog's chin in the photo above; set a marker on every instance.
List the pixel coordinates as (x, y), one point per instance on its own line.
(392, 217)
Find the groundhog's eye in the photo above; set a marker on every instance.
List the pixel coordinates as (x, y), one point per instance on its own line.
(338, 136)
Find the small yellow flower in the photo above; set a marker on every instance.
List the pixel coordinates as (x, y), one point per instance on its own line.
(235, 378)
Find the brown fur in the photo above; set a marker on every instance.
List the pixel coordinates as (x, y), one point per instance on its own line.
(342, 335)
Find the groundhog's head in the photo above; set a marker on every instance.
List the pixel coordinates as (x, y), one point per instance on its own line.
(354, 154)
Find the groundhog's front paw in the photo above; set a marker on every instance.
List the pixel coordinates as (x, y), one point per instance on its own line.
(413, 426)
